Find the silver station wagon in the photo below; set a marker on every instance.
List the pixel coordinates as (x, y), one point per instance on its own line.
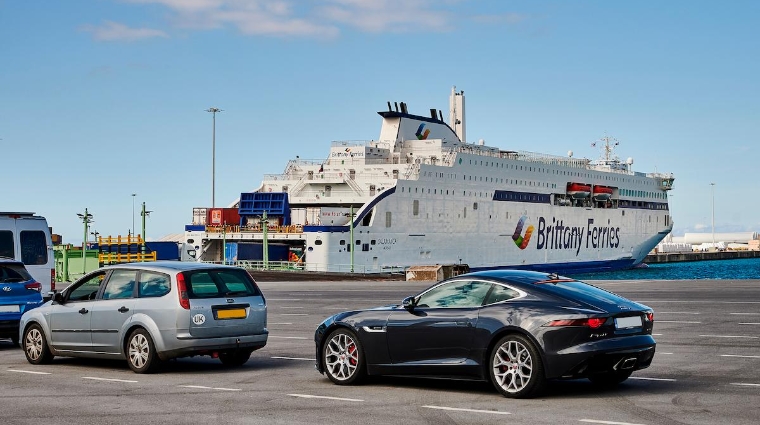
(150, 312)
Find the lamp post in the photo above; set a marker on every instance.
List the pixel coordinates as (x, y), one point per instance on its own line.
(213, 154)
(86, 219)
(132, 230)
(144, 214)
(712, 191)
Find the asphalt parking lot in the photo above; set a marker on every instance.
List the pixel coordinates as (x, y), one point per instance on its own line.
(706, 371)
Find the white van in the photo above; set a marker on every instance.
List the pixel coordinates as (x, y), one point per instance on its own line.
(26, 237)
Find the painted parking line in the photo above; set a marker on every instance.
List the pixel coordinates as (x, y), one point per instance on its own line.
(731, 336)
(596, 421)
(288, 337)
(31, 372)
(644, 378)
(325, 397)
(745, 314)
(293, 314)
(290, 307)
(457, 409)
(93, 378)
(281, 323)
(748, 323)
(656, 334)
(678, 321)
(740, 356)
(664, 353)
(294, 358)
(677, 312)
(739, 384)
(201, 387)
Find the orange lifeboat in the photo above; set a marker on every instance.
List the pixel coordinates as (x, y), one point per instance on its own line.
(578, 190)
(602, 193)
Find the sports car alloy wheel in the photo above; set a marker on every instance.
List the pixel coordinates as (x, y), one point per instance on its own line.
(516, 368)
(343, 357)
(35, 346)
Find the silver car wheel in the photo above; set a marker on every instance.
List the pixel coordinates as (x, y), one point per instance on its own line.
(139, 350)
(512, 366)
(33, 344)
(341, 357)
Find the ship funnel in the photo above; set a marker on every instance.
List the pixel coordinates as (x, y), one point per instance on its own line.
(389, 106)
(396, 104)
(403, 108)
(456, 113)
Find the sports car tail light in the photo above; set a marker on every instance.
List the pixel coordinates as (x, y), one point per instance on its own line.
(34, 286)
(649, 316)
(593, 322)
(184, 300)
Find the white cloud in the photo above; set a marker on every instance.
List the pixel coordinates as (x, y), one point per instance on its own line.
(114, 31)
(387, 15)
(323, 18)
(700, 227)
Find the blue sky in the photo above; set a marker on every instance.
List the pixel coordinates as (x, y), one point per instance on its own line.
(100, 99)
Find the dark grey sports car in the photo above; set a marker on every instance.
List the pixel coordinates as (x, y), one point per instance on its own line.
(514, 328)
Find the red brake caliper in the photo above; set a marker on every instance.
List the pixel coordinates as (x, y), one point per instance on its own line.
(351, 350)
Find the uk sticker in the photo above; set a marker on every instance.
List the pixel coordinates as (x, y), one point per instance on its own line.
(199, 319)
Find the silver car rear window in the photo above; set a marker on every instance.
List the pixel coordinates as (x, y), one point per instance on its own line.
(220, 283)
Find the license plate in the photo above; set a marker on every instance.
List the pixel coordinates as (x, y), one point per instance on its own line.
(236, 313)
(9, 309)
(628, 322)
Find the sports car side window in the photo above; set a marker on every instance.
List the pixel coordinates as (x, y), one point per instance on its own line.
(455, 294)
(501, 293)
(87, 289)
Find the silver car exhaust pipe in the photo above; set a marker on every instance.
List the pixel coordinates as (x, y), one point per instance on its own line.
(625, 364)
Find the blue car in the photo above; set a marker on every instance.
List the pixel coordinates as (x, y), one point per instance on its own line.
(19, 292)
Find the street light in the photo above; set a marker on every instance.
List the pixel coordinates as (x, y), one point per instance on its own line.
(86, 219)
(132, 230)
(144, 214)
(712, 191)
(213, 154)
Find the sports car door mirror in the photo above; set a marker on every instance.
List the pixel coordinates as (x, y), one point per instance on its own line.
(408, 303)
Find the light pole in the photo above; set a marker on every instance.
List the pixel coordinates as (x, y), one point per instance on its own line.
(712, 190)
(86, 219)
(144, 214)
(213, 154)
(132, 230)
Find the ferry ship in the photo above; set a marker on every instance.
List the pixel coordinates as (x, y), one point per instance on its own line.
(422, 195)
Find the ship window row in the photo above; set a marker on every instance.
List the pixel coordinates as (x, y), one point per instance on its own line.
(643, 205)
(643, 194)
(504, 195)
(561, 172)
(447, 192)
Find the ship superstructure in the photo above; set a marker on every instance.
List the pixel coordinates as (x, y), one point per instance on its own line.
(421, 195)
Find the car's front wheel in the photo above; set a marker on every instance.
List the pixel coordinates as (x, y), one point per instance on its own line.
(141, 352)
(35, 346)
(343, 357)
(516, 368)
(235, 357)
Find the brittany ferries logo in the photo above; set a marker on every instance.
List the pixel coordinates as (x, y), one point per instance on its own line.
(520, 240)
(420, 134)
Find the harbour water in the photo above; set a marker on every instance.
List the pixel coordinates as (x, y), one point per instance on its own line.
(740, 268)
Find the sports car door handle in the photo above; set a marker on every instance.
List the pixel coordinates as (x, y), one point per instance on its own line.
(123, 309)
(465, 324)
(83, 311)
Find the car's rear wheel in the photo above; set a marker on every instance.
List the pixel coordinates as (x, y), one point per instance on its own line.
(35, 347)
(516, 368)
(343, 357)
(235, 357)
(141, 352)
(610, 379)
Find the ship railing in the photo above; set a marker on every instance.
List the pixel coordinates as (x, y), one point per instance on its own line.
(299, 266)
(256, 228)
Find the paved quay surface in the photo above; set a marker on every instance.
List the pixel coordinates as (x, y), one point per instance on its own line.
(706, 371)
